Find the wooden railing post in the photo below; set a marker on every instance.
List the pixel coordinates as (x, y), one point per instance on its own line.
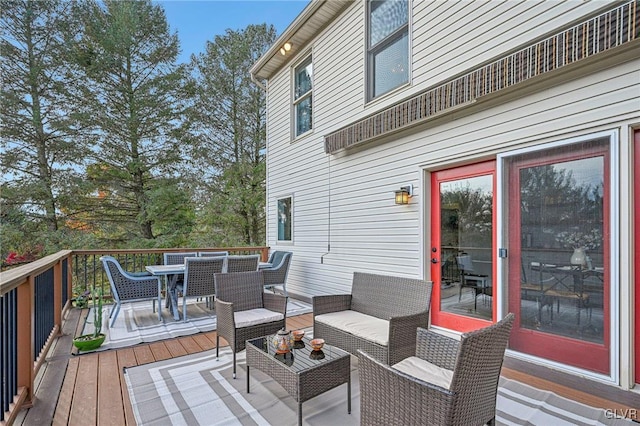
(25, 338)
(265, 254)
(57, 296)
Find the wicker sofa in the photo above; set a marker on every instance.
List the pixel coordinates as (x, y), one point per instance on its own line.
(379, 317)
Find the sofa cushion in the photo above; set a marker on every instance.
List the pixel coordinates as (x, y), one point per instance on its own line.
(425, 371)
(255, 316)
(361, 325)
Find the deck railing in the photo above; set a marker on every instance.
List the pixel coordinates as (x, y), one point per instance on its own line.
(34, 298)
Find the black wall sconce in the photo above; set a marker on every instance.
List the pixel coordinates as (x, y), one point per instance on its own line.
(403, 194)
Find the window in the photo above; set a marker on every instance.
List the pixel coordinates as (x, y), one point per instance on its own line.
(388, 46)
(284, 219)
(302, 97)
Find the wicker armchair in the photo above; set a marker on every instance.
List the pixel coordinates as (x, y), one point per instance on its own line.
(403, 303)
(245, 311)
(243, 263)
(198, 279)
(448, 382)
(276, 275)
(126, 287)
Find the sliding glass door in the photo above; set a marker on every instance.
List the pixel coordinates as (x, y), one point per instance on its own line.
(558, 260)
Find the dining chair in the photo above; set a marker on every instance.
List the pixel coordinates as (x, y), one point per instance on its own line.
(245, 311)
(276, 275)
(198, 280)
(479, 283)
(447, 382)
(244, 263)
(178, 258)
(213, 253)
(126, 287)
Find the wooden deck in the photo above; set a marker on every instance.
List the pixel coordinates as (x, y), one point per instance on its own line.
(90, 389)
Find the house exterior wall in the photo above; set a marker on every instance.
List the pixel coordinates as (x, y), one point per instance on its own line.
(344, 216)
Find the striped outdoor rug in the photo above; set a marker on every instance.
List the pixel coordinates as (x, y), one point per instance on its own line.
(137, 323)
(198, 390)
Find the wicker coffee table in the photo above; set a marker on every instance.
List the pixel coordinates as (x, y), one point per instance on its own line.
(303, 373)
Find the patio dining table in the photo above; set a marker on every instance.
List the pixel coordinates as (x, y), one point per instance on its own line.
(170, 273)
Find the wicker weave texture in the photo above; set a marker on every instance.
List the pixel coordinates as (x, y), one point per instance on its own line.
(404, 302)
(307, 382)
(386, 297)
(241, 291)
(199, 273)
(389, 396)
(125, 287)
(177, 258)
(243, 263)
(277, 274)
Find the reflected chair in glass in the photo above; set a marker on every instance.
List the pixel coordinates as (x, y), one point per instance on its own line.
(244, 263)
(276, 275)
(245, 311)
(198, 280)
(447, 382)
(126, 287)
(479, 283)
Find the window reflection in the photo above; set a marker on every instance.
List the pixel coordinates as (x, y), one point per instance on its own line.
(466, 236)
(562, 244)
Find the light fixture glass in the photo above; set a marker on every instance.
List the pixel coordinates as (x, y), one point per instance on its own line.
(285, 48)
(403, 194)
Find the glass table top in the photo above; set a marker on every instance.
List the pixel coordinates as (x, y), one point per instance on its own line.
(302, 356)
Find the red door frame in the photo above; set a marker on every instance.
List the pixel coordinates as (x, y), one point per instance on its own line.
(579, 353)
(637, 250)
(446, 319)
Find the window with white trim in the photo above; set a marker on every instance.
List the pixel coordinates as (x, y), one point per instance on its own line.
(303, 97)
(285, 218)
(387, 46)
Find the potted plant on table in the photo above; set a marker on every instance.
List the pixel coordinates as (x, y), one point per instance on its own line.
(88, 342)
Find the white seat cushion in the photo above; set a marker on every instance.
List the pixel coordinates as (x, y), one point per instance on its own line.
(360, 325)
(255, 316)
(425, 371)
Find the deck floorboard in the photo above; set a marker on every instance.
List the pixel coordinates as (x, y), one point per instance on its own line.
(92, 389)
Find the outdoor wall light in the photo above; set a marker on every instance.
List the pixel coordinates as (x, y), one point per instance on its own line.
(403, 194)
(285, 48)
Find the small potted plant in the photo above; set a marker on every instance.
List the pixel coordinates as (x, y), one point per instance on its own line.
(88, 342)
(82, 299)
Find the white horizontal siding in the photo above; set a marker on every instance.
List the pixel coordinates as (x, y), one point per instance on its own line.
(353, 191)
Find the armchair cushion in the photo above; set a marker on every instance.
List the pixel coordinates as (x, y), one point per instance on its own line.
(358, 324)
(255, 316)
(425, 371)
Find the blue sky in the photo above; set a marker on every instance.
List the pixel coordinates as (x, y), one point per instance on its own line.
(199, 21)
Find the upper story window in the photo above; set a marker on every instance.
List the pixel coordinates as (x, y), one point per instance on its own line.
(303, 96)
(387, 46)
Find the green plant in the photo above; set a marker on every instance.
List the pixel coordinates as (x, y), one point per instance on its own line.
(82, 297)
(97, 312)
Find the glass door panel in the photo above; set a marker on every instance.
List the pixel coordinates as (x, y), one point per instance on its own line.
(462, 246)
(558, 254)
